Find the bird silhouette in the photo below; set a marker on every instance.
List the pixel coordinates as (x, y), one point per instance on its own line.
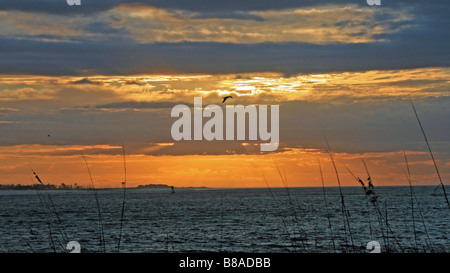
(227, 97)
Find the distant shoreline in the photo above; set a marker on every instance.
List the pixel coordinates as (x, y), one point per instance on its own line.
(20, 187)
(77, 187)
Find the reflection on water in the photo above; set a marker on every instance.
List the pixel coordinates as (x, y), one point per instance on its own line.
(233, 220)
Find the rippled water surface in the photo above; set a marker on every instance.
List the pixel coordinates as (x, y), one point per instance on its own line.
(233, 220)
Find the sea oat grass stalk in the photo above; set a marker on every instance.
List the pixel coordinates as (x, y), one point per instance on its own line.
(414, 198)
(53, 207)
(102, 243)
(327, 208)
(288, 233)
(345, 213)
(124, 187)
(431, 154)
(373, 198)
(301, 236)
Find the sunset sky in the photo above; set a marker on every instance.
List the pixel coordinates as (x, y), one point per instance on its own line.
(109, 72)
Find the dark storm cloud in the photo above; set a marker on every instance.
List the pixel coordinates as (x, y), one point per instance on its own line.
(424, 45)
(350, 127)
(366, 127)
(50, 58)
(204, 6)
(59, 6)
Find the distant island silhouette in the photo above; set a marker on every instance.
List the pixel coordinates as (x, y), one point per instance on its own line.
(153, 186)
(164, 186)
(63, 186)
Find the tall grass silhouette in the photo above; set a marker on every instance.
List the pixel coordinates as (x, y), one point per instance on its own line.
(124, 186)
(369, 191)
(327, 207)
(53, 208)
(431, 153)
(102, 243)
(344, 211)
(414, 198)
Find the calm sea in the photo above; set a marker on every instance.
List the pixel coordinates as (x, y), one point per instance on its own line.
(225, 220)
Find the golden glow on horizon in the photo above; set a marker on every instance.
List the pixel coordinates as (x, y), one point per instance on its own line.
(240, 170)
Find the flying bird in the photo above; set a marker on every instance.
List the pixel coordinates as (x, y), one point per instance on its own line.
(227, 97)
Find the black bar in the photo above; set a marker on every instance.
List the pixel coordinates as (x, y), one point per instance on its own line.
(238, 262)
